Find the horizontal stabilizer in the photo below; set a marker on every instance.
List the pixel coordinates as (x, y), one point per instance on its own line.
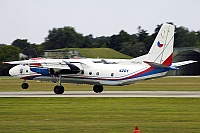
(156, 65)
(177, 64)
(174, 66)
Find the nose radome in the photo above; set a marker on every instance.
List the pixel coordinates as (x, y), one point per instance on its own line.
(14, 71)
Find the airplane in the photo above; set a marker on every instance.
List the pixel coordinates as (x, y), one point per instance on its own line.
(99, 72)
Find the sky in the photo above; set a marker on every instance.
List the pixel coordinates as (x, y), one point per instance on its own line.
(32, 19)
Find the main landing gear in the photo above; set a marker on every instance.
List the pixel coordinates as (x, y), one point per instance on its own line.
(98, 88)
(59, 89)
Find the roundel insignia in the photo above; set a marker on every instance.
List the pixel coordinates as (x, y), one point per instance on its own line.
(159, 44)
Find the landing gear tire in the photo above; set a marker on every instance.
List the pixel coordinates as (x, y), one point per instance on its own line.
(24, 85)
(97, 88)
(59, 89)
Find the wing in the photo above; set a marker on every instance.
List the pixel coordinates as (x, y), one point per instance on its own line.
(35, 62)
(51, 66)
(47, 67)
(56, 68)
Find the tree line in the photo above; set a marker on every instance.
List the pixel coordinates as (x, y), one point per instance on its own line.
(66, 37)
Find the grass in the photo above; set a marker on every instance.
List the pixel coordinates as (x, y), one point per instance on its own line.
(100, 115)
(107, 53)
(160, 84)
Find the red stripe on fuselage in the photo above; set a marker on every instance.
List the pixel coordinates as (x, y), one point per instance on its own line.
(138, 74)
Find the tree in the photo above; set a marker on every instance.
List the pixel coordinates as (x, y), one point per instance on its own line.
(21, 43)
(127, 48)
(186, 38)
(142, 34)
(65, 37)
(7, 53)
(180, 37)
(198, 38)
(117, 40)
(31, 50)
(144, 37)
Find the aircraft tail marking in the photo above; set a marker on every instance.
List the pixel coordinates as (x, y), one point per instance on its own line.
(161, 51)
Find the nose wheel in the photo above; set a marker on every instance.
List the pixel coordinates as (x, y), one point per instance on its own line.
(24, 85)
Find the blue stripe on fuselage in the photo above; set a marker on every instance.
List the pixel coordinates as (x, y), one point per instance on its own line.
(151, 72)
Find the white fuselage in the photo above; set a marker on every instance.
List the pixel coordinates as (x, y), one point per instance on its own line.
(114, 72)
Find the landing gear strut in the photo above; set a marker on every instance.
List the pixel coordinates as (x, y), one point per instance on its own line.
(59, 89)
(97, 88)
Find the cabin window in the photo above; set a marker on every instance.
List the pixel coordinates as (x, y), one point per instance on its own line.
(97, 73)
(26, 71)
(112, 74)
(90, 73)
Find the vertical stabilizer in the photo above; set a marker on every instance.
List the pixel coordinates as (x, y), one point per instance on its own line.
(161, 51)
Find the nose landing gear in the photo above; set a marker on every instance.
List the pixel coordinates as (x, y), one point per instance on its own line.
(24, 85)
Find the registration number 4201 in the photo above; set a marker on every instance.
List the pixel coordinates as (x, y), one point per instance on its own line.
(123, 70)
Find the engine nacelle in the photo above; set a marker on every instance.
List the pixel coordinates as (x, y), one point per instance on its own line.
(56, 71)
(73, 70)
(63, 71)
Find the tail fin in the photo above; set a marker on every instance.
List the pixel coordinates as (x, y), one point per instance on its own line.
(161, 51)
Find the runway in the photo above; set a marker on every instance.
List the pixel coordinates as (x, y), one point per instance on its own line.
(181, 94)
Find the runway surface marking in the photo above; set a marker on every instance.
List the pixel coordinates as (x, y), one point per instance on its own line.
(183, 94)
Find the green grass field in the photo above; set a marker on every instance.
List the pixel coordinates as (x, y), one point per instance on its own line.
(107, 53)
(160, 84)
(101, 115)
